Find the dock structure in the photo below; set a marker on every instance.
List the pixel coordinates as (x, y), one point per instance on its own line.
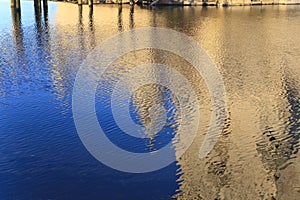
(89, 2)
(38, 4)
(217, 3)
(16, 5)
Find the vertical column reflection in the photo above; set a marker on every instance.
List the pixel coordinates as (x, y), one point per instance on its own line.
(120, 20)
(131, 17)
(92, 28)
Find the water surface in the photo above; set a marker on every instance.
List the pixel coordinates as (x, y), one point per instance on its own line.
(256, 49)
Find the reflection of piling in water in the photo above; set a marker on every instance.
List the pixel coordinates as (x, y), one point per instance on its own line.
(91, 11)
(38, 24)
(91, 16)
(91, 27)
(81, 32)
(120, 20)
(80, 13)
(131, 17)
(18, 31)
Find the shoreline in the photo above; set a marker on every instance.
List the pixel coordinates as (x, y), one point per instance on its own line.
(189, 3)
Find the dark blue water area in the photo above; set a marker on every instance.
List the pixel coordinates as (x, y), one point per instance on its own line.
(41, 155)
(130, 143)
(43, 158)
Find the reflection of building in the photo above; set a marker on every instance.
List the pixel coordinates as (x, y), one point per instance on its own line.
(245, 163)
(244, 158)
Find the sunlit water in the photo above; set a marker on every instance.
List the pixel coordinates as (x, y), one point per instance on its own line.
(257, 51)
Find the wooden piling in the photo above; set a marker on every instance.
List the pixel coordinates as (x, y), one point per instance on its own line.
(37, 5)
(131, 17)
(12, 3)
(45, 11)
(80, 12)
(45, 5)
(18, 5)
(91, 3)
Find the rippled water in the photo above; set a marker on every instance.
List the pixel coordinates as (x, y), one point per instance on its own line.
(257, 51)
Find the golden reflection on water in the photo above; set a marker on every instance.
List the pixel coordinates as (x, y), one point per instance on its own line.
(256, 50)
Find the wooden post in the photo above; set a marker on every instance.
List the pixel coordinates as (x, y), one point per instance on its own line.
(12, 3)
(80, 12)
(90, 3)
(120, 21)
(131, 18)
(37, 5)
(91, 11)
(45, 5)
(18, 5)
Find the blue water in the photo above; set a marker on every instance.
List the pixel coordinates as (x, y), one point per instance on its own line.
(41, 155)
(256, 50)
